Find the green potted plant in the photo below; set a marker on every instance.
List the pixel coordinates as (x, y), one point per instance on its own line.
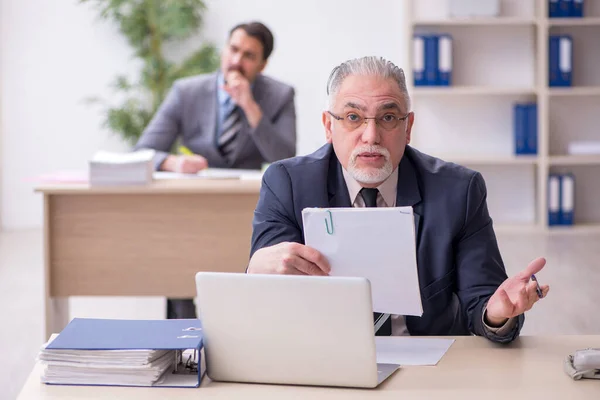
(149, 26)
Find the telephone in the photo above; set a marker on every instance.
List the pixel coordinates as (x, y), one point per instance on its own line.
(583, 364)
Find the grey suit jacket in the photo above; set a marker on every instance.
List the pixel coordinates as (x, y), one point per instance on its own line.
(190, 111)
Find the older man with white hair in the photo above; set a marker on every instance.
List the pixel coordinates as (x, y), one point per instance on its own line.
(368, 162)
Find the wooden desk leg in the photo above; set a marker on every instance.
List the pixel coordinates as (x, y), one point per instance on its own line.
(56, 308)
(57, 315)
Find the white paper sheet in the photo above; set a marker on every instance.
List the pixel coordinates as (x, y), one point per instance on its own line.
(375, 243)
(411, 351)
(213, 173)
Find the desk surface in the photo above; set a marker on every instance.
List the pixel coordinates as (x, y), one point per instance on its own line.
(159, 186)
(473, 368)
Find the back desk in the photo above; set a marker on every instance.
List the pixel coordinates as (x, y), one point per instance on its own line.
(141, 240)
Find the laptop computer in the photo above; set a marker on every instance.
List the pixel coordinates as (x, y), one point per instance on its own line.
(282, 329)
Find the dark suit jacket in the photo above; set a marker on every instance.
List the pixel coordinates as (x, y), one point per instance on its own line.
(459, 264)
(190, 110)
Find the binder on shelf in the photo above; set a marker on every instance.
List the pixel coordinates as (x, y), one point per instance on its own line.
(565, 60)
(577, 9)
(560, 60)
(554, 192)
(525, 128)
(564, 8)
(444, 60)
(431, 60)
(553, 48)
(531, 132)
(109, 352)
(419, 60)
(520, 124)
(567, 199)
(553, 11)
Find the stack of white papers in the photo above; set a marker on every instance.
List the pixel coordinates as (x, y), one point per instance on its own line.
(589, 147)
(134, 168)
(106, 367)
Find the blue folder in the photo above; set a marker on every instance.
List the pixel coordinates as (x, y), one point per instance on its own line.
(567, 199)
(113, 334)
(431, 60)
(531, 134)
(520, 126)
(565, 8)
(577, 9)
(553, 9)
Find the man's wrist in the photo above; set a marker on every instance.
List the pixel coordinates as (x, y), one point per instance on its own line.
(492, 321)
(253, 113)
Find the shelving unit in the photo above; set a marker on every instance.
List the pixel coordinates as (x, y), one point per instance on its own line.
(497, 62)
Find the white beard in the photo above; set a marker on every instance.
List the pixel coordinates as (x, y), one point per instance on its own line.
(370, 175)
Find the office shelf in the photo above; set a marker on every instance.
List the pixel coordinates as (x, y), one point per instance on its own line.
(472, 91)
(587, 21)
(497, 62)
(575, 160)
(574, 91)
(471, 160)
(499, 21)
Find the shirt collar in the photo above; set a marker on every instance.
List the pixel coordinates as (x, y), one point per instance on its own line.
(387, 189)
(222, 95)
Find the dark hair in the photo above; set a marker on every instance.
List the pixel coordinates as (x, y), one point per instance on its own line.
(260, 32)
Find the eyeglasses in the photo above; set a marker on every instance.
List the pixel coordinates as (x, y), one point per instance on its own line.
(352, 121)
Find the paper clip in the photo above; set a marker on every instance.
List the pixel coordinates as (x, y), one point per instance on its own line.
(327, 224)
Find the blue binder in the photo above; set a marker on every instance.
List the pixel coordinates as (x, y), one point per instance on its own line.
(577, 9)
(567, 199)
(565, 60)
(531, 132)
(431, 60)
(553, 9)
(564, 8)
(553, 74)
(444, 60)
(554, 192)
(112, 334)
(520, 125)
(419, 60)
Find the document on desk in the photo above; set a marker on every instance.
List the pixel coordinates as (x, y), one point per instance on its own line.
(375, 243)
(213, 173)
(410, 351)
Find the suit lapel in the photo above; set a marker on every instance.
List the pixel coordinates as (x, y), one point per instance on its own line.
(336, 185)
(408, 193)
(207, 113)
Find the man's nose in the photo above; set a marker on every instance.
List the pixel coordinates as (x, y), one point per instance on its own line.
(370, 133)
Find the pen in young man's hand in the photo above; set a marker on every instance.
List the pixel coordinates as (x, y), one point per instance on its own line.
(537, 286)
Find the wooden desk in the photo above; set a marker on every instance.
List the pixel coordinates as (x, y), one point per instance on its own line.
(141, 240)
(473, 368)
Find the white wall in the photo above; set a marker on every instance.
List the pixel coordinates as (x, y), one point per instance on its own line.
(53, 54)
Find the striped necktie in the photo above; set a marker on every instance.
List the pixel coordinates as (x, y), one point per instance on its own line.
(229, 132)
(370, 197)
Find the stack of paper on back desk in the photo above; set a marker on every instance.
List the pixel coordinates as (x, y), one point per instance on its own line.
(134, 168)
(124, 353)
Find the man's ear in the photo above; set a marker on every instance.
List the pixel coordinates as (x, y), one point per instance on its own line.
(327, 125)
(409, 125)
(264, 64)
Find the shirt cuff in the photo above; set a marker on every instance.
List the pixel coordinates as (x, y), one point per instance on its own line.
(503, 330)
